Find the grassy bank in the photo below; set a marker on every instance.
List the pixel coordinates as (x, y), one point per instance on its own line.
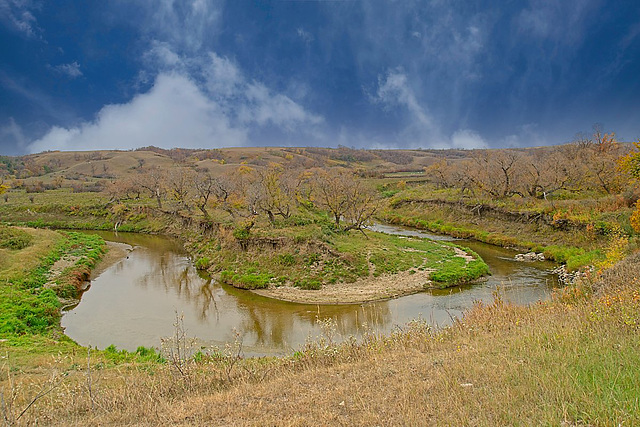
(591, 240)
(35, 276)
(65, 209)
(312, 256)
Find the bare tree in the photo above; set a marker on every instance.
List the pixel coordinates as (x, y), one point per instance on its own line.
(152, 180)
(276, 191)
(345, 197)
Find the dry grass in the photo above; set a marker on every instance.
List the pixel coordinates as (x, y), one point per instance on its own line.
(18, 263)
(571, 361)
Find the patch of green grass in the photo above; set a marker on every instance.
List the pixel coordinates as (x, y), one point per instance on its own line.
(26, 306)
(458, 271)
(203, 263)
(141, 355)
(308, 284)
(247, 280)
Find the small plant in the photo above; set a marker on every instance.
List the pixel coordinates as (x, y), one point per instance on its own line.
(203, 263)
(13, 238)
(308, 284)
(287, 259)
(178, 349)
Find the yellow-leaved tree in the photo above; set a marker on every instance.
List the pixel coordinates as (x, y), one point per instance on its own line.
(630, 165)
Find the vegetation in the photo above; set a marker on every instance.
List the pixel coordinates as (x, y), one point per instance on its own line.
(298, 216)
(30, 291)
(570, 360)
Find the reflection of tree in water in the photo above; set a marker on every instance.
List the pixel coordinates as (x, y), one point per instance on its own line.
(279, 326)
(270, 327)
(174, 273)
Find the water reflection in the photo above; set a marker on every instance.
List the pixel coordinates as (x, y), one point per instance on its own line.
(134, 302)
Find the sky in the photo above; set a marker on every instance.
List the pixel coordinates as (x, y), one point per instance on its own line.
(122, 74)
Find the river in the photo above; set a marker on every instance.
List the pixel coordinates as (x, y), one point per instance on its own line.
(135, 301)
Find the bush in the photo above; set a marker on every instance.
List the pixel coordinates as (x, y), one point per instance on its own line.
(13, 238)
(308, 284)
(246, 281)
(287, 259)
(203, 263)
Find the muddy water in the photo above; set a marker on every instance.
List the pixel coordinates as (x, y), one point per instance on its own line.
(134, 302)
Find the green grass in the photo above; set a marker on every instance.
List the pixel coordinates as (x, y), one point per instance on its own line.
(26, 306)
(64, 209)
(352, 256)
(246, 281)
(573, 257)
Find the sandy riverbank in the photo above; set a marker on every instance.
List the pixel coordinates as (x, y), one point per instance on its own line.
(364, 290)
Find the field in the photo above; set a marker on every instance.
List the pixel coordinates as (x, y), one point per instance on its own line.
(293, 221)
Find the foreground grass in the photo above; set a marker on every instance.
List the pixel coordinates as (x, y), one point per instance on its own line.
(572, 360)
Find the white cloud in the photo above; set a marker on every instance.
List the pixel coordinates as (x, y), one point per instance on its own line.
(563, 22)
(421, 129)
(17, 15)
(71, 70)
(11, 135)
(467, 139)
(394, 89)
(264, 107)
(223, 76)
(305, 35)
(186, 25)
(195, 102)
(174, 113)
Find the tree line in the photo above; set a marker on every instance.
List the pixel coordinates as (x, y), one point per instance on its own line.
(589, 163)
(246, 193)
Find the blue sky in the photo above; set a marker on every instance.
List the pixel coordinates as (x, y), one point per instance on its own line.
(367, 74)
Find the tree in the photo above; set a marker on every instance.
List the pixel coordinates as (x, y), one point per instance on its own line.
(599, 154)
(204, 186)
(630, 163)
(152, 180)
(345, 197)
(496, 171)
(276, 191)
(3, 186)
(179, 185)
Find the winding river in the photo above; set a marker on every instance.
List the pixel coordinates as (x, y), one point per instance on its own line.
(135, 301)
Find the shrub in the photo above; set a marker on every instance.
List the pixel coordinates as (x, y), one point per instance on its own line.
(287, 259)
(13, 238)
(203, 263)
(308, 284)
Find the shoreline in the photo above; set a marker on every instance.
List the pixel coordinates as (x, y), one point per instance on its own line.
(365, 290)
(115, 252)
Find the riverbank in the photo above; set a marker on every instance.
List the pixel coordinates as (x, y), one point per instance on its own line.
(369, 289)
(114, 252)
(572, 360)
(44, 273)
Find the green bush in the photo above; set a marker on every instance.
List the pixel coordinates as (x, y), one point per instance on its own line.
(308, 284)
(456, 273)
(203, 263)
(13, 238)
(246, 281)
